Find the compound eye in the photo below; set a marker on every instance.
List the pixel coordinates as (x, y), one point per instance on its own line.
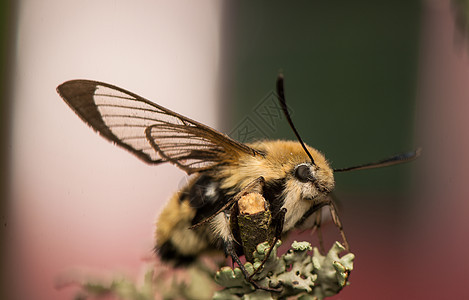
(303, 173)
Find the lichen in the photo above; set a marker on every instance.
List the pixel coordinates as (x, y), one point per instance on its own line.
(296, 273)
(301, 272)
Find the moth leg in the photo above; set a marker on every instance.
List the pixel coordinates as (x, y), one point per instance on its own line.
(229, 248)
(310, 211)
(279, 220)
(336, 220)
(317, 228)
(221, 226)
(256, 185)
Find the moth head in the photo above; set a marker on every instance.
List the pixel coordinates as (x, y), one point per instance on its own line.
(286, 161)
(312, 181)
(311, 176)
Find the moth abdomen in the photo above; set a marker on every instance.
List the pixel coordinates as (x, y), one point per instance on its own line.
(175, 241)
(167, 252)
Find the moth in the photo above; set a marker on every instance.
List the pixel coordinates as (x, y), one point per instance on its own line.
(297, 179)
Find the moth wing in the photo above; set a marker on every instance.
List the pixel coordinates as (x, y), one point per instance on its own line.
(149, 131)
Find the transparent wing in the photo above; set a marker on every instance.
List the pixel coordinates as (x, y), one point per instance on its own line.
(149, 131)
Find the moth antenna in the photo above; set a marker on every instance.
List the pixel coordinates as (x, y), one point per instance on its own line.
(283, 104)
(394, 160)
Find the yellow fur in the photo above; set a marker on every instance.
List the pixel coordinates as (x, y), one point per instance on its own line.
(173, 224)
(281, 157)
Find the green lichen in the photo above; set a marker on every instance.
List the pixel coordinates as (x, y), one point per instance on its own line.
(197, 285)
(301, 272)
(120, 287)
(296, 273)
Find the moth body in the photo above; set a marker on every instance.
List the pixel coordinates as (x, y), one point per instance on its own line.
(297, 178)
(209, 191)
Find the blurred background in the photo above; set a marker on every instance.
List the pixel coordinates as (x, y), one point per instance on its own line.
(364, 80)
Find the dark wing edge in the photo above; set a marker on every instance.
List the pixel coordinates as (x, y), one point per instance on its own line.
(151, 132)
(79, 95)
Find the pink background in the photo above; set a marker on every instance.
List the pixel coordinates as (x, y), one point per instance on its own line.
(77, 202)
